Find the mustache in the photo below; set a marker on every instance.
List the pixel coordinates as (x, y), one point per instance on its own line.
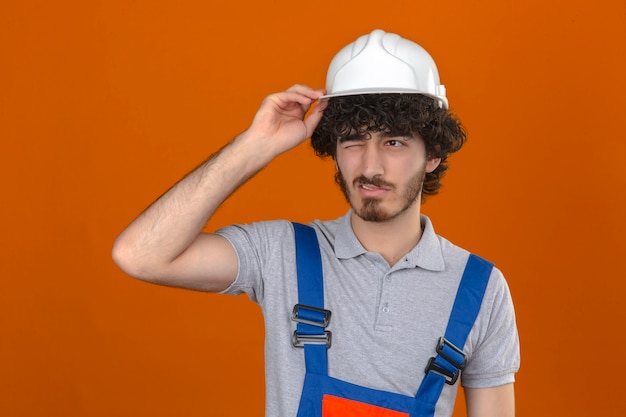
(376, 181)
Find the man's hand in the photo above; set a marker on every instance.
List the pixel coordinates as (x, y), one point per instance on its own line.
(280, 121)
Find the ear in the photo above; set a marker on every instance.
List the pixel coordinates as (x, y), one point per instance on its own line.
(432, 164)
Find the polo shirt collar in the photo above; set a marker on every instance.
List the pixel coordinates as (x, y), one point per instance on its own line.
(346, 243)
(427, 254)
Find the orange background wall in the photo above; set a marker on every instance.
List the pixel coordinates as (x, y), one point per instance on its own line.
(105, 104)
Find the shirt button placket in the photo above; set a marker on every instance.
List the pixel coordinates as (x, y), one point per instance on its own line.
(384, 316)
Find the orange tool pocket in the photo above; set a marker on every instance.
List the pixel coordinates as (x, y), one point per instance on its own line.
(341, 407)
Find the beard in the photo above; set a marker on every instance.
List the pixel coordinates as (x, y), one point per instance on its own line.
(372, 209)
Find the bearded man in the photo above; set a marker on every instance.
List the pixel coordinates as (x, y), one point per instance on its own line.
(412, 313)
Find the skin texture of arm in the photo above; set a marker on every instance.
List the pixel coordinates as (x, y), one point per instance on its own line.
(490, 402)
(165, 244)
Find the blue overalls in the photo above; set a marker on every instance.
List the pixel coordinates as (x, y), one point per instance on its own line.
(325, 396)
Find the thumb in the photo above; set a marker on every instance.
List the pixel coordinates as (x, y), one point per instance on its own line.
(313, 119)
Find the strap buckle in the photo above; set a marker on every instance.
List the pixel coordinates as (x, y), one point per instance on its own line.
(441, 350)
(313, 316)
(445, 350)
(299, 340)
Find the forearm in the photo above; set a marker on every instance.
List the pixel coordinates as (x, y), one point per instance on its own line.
(157, 237)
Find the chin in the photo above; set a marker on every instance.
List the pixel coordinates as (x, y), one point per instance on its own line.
(371, 211)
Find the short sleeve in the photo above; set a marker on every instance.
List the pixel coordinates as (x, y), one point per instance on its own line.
(493, 344)
(248, 278)
(261, 249)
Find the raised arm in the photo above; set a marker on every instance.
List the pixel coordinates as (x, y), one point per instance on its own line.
(165, 244)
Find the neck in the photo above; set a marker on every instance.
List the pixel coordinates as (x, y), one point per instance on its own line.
(392, 239)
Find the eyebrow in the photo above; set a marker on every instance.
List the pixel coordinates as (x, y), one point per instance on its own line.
(356, 136)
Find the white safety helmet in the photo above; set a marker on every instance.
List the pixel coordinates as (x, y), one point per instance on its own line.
(384, 62)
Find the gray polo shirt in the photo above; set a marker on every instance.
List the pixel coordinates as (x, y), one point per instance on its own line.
(385, 320)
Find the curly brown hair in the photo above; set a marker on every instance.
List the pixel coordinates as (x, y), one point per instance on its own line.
(397, 115)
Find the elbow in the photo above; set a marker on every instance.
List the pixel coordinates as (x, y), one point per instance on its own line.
(129, 261)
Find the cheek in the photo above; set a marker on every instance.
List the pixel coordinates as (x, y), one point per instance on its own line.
(341, 174)
(409, 166)
(343, 163)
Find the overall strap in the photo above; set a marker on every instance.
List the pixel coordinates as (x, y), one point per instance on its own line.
(309, 313)
(450, 360)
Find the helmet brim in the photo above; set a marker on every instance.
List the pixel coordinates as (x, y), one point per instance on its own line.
(443, 101)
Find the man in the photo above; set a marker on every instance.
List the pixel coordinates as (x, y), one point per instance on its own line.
(391, 283)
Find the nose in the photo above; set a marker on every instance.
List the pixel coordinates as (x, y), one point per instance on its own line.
(372, 160)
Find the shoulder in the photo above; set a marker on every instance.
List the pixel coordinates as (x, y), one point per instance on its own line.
(268, 233)
(257, 232)
(458, 257)
(327, 230)
(455, 258)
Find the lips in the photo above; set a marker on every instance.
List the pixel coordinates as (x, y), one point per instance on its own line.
(369, 187)
(372, 184)
(372, 188)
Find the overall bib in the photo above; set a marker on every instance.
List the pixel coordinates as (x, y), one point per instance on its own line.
(325, 396)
